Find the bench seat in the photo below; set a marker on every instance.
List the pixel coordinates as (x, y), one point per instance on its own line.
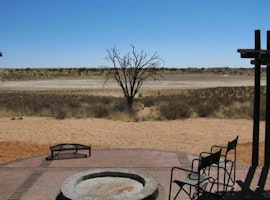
(69, 147)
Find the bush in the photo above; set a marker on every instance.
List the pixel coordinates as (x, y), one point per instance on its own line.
(206, 107)
(100, 111)
(119, 105)
(60, 114)
(235, 102)
(204, 110)
(149, 101)
(175, 110)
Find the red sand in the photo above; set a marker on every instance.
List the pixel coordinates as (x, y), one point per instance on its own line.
(33, 136)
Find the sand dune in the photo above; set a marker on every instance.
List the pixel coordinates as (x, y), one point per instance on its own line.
(33, 136)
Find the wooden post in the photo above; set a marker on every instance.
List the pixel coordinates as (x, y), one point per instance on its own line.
(262, 57)
(256, 117)
(267, 119)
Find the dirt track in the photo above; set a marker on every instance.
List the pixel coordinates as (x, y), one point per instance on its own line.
(174, 81)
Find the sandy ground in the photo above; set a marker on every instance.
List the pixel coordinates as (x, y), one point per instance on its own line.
(33, 136)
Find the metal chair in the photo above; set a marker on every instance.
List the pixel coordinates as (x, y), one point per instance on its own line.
(227, 163)
(196, 182)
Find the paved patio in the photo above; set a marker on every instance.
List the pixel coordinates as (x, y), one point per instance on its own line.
(37, 179)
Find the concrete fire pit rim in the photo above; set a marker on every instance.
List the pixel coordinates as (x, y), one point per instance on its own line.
(150, 184)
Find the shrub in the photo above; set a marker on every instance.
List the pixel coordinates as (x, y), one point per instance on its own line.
(175, 110)
(100, 110)
(119, 105)
(149, 101)
(236, 102)
(60, 114)
(204, 110)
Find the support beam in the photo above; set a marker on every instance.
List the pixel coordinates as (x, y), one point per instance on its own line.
(262, 57)
(267, 119)
(263, 62)
(256, 117)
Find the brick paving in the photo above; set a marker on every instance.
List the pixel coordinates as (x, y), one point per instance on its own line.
(36, 178)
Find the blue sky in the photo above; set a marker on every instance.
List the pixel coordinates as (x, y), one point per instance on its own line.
(76, 33)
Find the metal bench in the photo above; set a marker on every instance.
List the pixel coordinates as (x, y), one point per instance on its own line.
(64, 147)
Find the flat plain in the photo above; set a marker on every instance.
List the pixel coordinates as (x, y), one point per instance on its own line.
(33, 135)
(168, 82)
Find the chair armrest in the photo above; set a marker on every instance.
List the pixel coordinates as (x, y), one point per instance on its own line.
(193, 161)
(230, 162)
(209, 153)
(217, 146)
(180, 168)
(204, 152)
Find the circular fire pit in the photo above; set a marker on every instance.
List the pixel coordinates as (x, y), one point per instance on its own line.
(102, 184)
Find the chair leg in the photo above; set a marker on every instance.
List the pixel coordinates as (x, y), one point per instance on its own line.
(170, 191)
(178, 192)
(188, 193)
(230, 178)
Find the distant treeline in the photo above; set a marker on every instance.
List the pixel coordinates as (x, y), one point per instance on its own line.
(12, 74)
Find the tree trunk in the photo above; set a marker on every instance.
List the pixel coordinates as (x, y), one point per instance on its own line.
(129, 102)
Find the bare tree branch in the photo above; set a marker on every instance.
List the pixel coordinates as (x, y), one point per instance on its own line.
(131, 70)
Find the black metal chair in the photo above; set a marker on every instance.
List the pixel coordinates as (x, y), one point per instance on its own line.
(196, 182)
(227, 163)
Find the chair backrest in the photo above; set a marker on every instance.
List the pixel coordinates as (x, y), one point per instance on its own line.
(232, 144)
(209, 160)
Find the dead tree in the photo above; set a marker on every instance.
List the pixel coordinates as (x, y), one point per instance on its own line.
(131, 70)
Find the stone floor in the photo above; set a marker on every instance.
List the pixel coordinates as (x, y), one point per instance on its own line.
(36, 178)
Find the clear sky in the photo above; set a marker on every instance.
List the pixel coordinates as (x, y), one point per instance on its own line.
(76, 33)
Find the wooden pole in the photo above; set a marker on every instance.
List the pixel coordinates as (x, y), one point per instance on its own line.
(256, 117)
(267, 119)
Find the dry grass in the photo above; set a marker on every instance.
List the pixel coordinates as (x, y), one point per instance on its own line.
(223, 102)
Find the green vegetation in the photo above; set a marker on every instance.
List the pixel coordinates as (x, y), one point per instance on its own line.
(223, 102)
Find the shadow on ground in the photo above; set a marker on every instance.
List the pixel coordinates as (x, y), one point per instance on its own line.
(246, 192)
(240, 195)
